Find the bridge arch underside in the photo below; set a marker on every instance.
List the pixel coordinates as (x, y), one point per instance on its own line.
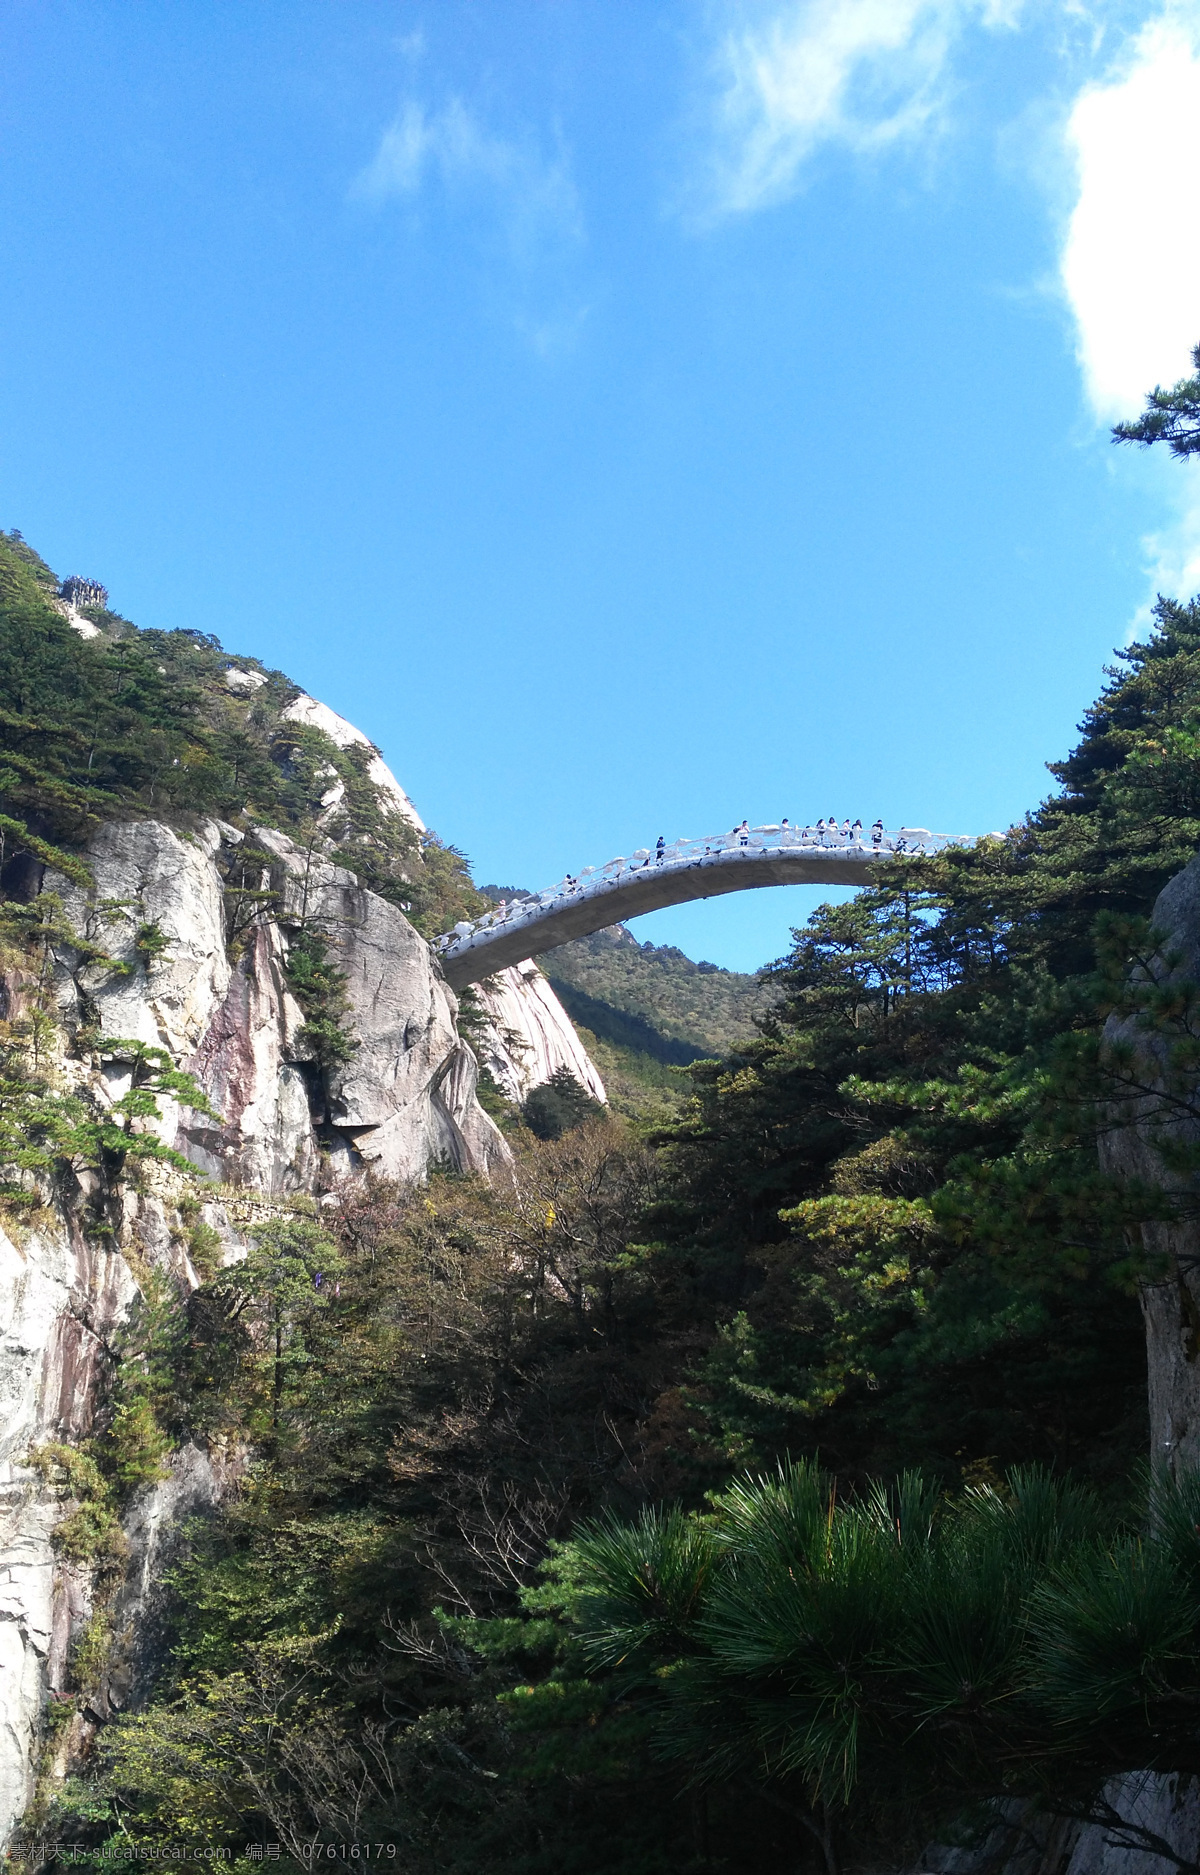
(649, 889)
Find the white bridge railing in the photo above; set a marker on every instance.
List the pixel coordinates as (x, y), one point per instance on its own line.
(714, 848)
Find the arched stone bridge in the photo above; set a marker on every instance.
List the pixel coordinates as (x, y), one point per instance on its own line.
(646, 881)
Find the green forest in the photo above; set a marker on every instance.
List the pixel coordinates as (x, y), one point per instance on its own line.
(758, 1483)
(620, 989)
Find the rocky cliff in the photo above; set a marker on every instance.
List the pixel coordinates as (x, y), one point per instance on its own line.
(217, 1008)
(282, 1124)
(528, 1036)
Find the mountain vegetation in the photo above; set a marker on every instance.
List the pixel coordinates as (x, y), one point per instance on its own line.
(129, 722)
(640, 1087)
(652, 999)
(558, 1105)
(755, 1490)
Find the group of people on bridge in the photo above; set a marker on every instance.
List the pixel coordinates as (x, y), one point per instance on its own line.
(825, 833)
(849, 835)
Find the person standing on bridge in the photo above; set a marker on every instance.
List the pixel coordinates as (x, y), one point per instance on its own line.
(856, 832)
(659, 850)
(877, 835)
(743, 833)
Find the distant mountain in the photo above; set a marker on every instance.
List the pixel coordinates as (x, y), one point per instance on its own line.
(651, 998)
(623, 1029)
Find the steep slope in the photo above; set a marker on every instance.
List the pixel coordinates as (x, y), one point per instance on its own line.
(281, 1123)
(525, 1036)
(217, 1007)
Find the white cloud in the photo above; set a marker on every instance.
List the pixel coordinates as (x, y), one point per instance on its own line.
(1131, 258)
(863, 73)
(1131, 262)
(535, 199)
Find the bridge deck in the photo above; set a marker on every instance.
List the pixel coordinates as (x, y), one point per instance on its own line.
(627, 888)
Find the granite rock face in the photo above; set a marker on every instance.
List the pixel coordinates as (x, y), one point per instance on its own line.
(392, 798)
(60, 1300)
(151, 964)
(1152, 1807)
(146, 875)
(529, 1034)
(1143, 1809)
(405, 1101)
(250, 1062)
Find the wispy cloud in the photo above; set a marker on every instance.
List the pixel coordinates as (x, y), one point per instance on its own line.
(1119, 156)
(1172, 552)
(863, 73)
(533, 197)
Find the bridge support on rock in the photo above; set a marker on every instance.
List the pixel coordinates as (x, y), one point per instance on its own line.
(689, 869)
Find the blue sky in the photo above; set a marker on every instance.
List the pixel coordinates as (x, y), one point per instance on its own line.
(632, 416)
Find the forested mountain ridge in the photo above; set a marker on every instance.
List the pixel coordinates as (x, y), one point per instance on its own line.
(493, 1583)
(699, 1008)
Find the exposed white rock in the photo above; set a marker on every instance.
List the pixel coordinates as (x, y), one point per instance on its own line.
(147, 875)
(1164, 1807)
(75, 619)
(27, 1569)
(530, 1035)
(305, 709)
(407, 1098)
(250, 1062)
(1141, 1806)
(59, 1299)
(245, 681)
